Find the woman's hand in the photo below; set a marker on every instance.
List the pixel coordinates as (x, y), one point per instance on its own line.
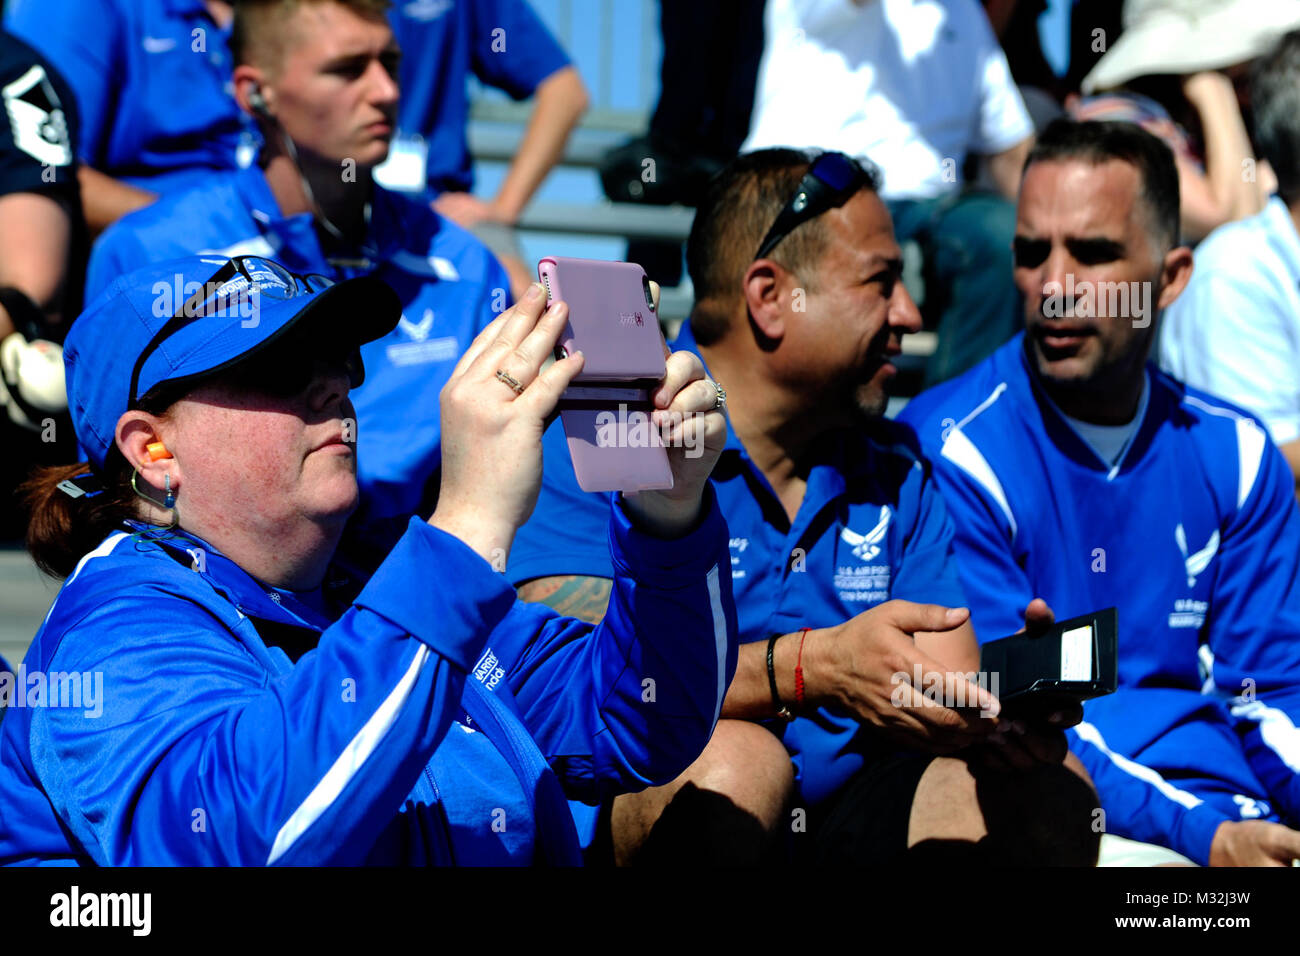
(492, 427)
(694, 431)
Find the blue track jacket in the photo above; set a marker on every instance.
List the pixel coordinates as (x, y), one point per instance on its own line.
(1193, 535)
(438, 720)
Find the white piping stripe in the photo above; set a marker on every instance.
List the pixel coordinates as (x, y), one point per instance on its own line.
(105, 548)
(993, 397)
(961, 451)
(1276, 728)
(1093, 736)
(1250, 445)
(719, 636)
(1250, 455)
(350, 761)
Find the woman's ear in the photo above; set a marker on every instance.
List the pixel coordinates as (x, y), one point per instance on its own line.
(139, 439)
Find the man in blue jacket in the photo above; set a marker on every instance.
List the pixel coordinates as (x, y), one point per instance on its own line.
(320, 80)
(1078, 472)
(842, 560)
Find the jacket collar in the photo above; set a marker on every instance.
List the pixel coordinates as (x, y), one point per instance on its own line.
(251, 597)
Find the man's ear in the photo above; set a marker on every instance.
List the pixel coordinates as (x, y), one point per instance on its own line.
(249, 79)
(136, 431)
(763, 288)
(1175, 273)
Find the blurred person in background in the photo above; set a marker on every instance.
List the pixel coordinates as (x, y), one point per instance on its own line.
(706, 94)
(152, 83)
(43, 250)
(1235, 331)
(915, 86)
(504, 45)
(1178, 69)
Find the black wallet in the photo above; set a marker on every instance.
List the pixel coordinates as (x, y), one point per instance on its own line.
(1033, 675)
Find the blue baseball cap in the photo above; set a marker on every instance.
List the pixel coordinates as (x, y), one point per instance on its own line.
(182, 321)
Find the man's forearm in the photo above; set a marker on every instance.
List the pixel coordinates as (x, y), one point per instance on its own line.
(106, 200)
(1005, 167)
(560, 101)
(750, 695)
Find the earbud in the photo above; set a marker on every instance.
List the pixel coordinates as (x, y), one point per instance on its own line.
(256, 100)
(157, 450)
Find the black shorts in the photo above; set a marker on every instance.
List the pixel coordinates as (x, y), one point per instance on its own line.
(865, 824)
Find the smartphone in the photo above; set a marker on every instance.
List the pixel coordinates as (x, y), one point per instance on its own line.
(1033, 675)
(606, 410)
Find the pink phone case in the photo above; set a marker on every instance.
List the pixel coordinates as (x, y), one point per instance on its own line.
(606, 412)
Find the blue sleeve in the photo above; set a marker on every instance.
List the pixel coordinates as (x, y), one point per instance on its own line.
(927, 572)
(1140, 804)
(568, 528)
(633, 702)
(1254, 625)
(117, 252)
(996, 586)
(510, 47)
(200, 758)
(83, 40)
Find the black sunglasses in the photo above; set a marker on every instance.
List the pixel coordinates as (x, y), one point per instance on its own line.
(832, 180)
(240, 279)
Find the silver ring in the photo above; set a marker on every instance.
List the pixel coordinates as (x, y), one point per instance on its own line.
(720, 401)
(510, 380)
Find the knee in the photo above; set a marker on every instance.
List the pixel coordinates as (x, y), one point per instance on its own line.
(747, 764)
(724, 809)
(1046, 816)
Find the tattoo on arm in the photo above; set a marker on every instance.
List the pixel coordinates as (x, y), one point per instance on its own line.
(585, 598)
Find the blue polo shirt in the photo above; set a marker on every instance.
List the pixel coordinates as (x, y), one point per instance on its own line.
(449, 284)
(871, 528)
(444, 42)
(152, 80)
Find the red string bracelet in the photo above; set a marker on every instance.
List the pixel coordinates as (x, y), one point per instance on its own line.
(798, 669)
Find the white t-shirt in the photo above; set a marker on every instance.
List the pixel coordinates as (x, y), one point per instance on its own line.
(1235, 330)
(912, 85)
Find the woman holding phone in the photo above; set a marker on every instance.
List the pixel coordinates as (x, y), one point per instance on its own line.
(256, 706)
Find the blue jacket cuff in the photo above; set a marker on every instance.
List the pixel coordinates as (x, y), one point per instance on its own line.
(670, 562)
(1197, 833)
(438, 590)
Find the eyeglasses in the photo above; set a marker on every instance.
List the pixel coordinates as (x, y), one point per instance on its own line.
(236, 285)
(832, 180)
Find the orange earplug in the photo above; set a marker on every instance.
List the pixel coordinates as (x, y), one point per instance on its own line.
(157, 450)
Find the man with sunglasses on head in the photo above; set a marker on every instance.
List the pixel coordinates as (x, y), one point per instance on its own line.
(828, 747)
(320, 79)
(1077, 471)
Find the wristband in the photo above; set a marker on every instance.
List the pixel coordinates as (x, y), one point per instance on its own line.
(798, 669)
(782, 710)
